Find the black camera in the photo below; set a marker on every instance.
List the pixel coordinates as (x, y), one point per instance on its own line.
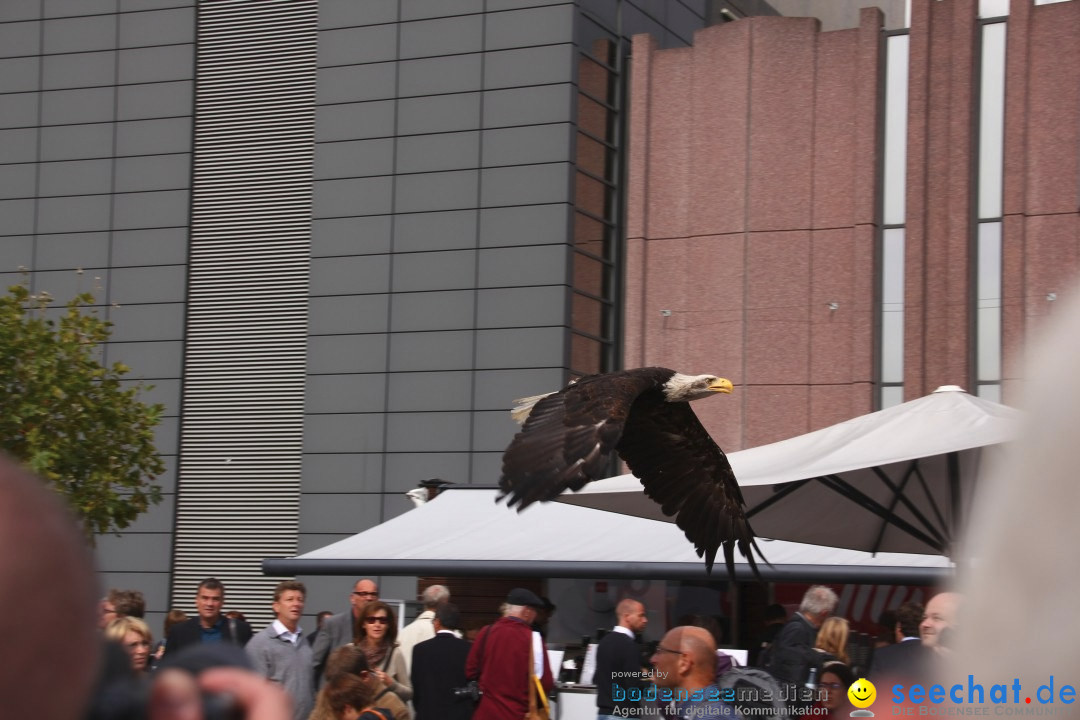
(471, 692)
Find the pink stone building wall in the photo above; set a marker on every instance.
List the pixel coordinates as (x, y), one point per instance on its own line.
(751, 210)
(753, 206)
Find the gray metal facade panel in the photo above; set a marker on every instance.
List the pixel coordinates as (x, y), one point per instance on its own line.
(530, 26)
(421, 392)
(343, 472)
(348, 13)
(368, 235)
(161, 246)
(355, 121)
(149, 137)
(354, 158)
(446, 230)
(20, 110)
(493, 387)
(78, 70)
(404, 469)
(440, 350)
(433, 310)
(349, 315)
(157, 27)
(18, 145)
(16, 252)
(81, 105)
(438, 113)
(345, 393)
(154, 100)
(156, 321)
(343, 433)
(73, 142)
(72, 251)
(442, 36)
(437, 152)
(18, 39)
(68, 8)
(449, 270)
(355, 45)
(79, 34)
(76, 177)
(342, 513)
(421, 9)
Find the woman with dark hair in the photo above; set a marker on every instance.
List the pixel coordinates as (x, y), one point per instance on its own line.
(375, 633)
(836, 678)
(350, 660)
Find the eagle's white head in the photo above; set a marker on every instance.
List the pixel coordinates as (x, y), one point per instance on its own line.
(684, 388)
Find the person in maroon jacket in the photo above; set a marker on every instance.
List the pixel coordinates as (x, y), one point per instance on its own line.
(499, 660)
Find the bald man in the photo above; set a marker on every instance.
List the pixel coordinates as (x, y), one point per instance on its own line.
(57, 578)
(618, 664)
(685, 675)
(939, 616)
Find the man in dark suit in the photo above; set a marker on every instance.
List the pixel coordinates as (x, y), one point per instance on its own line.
(438, 666)
(907, 659)
(792, 654)
(618, 662)
(209, 626)
(338, 630)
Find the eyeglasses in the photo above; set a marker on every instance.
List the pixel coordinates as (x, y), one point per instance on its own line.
(831, 686)
(366, 594)
(661, 648)
(381, 619)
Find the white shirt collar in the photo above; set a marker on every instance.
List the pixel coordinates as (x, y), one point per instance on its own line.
(285, 634)
(624, 630)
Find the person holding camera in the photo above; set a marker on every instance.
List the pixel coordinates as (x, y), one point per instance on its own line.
(438, 669)
(500, 660)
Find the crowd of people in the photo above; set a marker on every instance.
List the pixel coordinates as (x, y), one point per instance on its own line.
(802, 664)
(356, 665)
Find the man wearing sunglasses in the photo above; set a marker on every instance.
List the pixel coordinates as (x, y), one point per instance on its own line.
(337, 630)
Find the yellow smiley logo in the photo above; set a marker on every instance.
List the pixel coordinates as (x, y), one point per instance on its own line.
(862, 693)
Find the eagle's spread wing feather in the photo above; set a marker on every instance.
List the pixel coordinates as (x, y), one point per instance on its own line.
(682, 469)
(569, 437)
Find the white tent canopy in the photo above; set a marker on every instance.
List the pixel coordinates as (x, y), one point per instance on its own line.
(464, 532)
(897, 480)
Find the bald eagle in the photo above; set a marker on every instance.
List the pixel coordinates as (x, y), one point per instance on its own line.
(644, 415)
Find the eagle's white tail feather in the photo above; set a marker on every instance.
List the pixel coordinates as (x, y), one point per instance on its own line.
(524, 406)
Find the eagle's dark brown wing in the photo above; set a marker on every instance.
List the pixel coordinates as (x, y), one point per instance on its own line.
(569, 437)
(682, 469)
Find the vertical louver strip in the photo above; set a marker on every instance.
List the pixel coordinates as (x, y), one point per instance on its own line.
(239, 483)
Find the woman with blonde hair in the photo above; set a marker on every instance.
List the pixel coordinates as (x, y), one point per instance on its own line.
(134, 636)
(832, 640)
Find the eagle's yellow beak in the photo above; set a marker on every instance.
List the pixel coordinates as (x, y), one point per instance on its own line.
(721, 385)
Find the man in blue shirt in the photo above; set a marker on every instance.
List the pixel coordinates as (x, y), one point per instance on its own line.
(685, 675)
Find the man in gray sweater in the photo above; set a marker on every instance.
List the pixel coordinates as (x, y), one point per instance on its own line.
(278, 652)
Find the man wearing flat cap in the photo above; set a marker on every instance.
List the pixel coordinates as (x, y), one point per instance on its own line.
(500, 656)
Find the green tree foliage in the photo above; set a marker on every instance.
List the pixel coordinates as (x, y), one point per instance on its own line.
(68, 418)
